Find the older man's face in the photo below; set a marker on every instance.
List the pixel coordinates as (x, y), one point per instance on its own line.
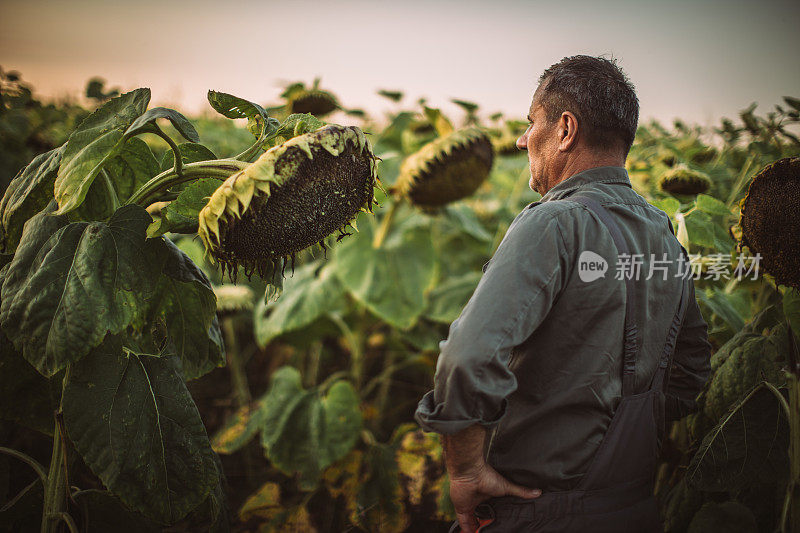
(540, 140)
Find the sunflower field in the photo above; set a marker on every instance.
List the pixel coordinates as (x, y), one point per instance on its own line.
(225, 323)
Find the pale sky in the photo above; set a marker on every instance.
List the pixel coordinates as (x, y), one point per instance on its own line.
(697, 60)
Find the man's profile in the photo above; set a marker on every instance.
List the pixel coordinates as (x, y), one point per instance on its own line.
(582, 338)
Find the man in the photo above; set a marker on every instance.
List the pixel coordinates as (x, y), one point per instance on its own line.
(562, 336)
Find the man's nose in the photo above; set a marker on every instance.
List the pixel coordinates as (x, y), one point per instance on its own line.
(522, 142)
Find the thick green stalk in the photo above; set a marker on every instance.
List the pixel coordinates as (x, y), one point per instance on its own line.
(385, 387)
(218, 168)
(241, 390)
(356, 350)
(55, 490)
(313, 363)
(386, 223)
(793, 496)
(176, 152)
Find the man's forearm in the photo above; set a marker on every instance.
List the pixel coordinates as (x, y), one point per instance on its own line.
(463, 451)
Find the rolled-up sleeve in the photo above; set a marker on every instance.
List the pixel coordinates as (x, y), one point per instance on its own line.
(514, 295)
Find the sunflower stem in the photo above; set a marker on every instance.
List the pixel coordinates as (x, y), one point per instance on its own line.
(153, 189)
(313, 363)
(386, 223)
(793, 490)
(267, 133)
(55, 490)
(356, 351)
(176, 152)
(241, 390)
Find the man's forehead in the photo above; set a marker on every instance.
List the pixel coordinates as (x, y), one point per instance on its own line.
(535, 105)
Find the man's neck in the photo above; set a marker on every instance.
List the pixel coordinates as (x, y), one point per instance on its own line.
(585, 161)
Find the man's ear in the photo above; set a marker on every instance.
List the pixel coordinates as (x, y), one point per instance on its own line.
(567, 131)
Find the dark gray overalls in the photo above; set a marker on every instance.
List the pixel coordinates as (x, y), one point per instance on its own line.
(616, 493)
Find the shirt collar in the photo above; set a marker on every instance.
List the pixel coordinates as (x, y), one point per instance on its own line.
(593, 175)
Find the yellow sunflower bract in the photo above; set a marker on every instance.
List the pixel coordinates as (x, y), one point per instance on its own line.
(292, 197)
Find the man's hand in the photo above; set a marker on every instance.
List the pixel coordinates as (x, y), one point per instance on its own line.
(469, 490)
(472, 480)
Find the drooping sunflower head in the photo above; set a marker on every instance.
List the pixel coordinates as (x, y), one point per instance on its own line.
(314, 101)
(770, 220)
(292, 197)
(446, 169)
(683, 180)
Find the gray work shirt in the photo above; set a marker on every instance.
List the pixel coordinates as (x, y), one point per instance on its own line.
(536, 353)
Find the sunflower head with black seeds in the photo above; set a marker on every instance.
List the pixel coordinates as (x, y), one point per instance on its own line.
(291, 198)
(770, 220)
(446, 169)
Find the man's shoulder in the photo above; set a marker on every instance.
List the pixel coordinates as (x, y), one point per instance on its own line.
(544, 212)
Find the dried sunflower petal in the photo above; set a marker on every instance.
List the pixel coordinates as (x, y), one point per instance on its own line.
(683, 180)
(447, 169)
(292, 197)
(770, 219)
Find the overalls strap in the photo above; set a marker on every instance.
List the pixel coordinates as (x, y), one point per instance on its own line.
(672, 335)
(631, 344)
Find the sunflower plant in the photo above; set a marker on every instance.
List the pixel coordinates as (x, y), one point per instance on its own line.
(101, 310)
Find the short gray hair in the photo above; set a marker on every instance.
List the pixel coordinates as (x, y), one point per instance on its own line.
(600, 96)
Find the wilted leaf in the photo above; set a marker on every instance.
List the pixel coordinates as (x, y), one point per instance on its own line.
(417, 452)
(104, 512)
(720, 303)
(712, 206)
(756, 358)
(343, 479)
(134, 423)
(70, 284)
(96, 140)
(26, 397)
(26, 195)
(294, 125)
(234, 107)
(304, 431)
(265, 503)
(381, 496)
(213, 515)
(669, 205)
(391, 280)
(310, 293)
(181, 215)
(185, 301)
(791, 308)
(700, 228)
(748, 446)
(127, 171)
(448, 299)
(239, 429)
(146, 123)
(464, 219)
